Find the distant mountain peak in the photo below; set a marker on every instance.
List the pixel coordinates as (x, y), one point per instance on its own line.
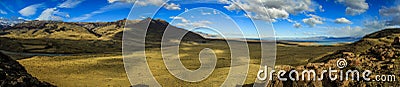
(155, 21)
(148, 18)
(5, 23)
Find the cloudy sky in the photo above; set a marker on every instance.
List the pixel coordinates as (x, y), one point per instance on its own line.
(290, 18)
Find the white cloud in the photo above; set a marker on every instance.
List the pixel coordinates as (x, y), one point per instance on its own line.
(393, 13)
(29, 10)
(201, 23)
(346, 31)
(172, 6)
(223, 1)
(150, 2)
(342, 21)
(394, 21)
(313, 20)
(277, 13)
(112, 1)
(270, 10)
(205, 13)
(189, 24)
(290, 20)
(51, 14)
(369, 26)
(186, 10)
(70, 3)
(3, 12)
(291, 6)
(179, 18)
(354, 7)
(272, 15)
(140, 2)
(321, 9)
(169, 6)
(128, 1)
(216, 12)
(194, 24)
(20, 18)
(374, 24)
(102, 10)
(297, 25)
(309, 33)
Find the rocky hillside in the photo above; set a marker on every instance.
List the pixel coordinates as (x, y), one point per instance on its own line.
(380, 59)
(378, 52)
(64, 30)
(13, 74)
(76, 37)
(385, 36)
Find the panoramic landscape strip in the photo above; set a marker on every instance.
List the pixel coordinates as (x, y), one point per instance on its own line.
(189, 43)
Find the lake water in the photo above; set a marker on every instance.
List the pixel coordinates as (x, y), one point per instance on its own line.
(318, 40)
(327, 41)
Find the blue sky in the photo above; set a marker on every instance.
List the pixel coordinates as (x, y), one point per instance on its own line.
(290, 18)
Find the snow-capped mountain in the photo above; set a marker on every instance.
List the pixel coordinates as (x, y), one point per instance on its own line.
(5, 23)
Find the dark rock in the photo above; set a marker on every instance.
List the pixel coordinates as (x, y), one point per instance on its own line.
(13, 74)
(380, 59)
(396, 41)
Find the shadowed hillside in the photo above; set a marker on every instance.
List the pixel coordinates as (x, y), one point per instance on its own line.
(14, 74)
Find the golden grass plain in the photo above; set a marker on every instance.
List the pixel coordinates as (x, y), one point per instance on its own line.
(108, 69)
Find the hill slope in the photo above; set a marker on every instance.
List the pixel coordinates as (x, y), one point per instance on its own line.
(375, 52)
(74, 37)
(64, 30)
(385, 36)
(14, 74)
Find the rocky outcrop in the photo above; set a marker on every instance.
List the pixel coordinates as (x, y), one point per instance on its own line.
(378, 52)
(379, 59)
(13, 74)
(396, 42)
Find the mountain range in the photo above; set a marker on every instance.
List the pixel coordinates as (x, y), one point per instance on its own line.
(82, 37)
(6, 23)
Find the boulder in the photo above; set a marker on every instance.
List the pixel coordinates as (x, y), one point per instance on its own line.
(396, 42)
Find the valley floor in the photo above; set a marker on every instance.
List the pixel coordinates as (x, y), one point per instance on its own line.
(108, 69)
